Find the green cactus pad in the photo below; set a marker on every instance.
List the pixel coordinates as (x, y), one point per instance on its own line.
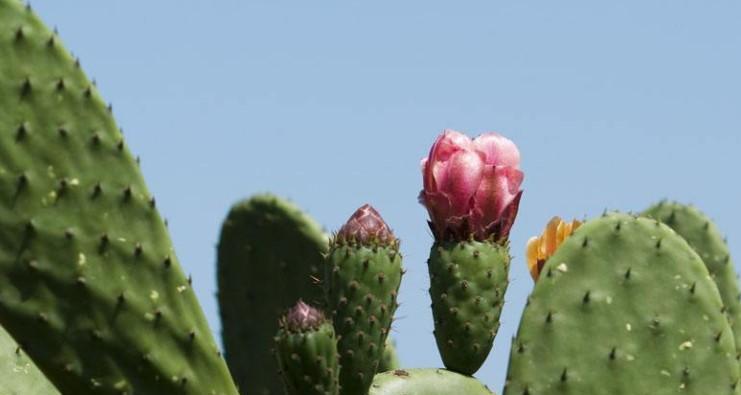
(269, 256)
(703, 236)
(18, 374)
(362, 289)
(624, 306)
(89, 282)
(309, 360)
(426, 382)
(467, 284)
(390, 359)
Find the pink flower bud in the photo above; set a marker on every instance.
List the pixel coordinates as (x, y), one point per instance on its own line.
(302, 317)
(366, 227)
(471, 187)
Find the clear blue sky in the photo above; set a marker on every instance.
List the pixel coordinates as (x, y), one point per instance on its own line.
(613, 105)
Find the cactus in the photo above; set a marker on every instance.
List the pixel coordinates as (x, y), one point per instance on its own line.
(269, 256)
(624, 306)
(89, 282)
(467, 285)
(703, 236)
(307, 352)
(390, 359)
(472, 193)
(364, 274)
(18, 374)
(426, 382)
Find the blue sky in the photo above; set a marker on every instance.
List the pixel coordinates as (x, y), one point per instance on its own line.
(332, 104)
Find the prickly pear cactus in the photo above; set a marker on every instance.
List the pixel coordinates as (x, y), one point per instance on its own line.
(390, 359)
(269, 256)
(18, 374)
(307, 352)
(364, 266)
(705, 238)
(624, 306)
(89, 282)
(426, 382)
(468, 280)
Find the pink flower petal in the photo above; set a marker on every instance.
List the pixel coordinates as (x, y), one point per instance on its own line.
(498, 150)
(448, 143)
(464, 172)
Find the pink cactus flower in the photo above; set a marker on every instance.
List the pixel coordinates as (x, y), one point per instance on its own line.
(366, 227)
(471, 187)
(302, 317)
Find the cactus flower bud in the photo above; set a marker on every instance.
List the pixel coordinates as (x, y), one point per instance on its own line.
(471, 187)
(539, 249)
(302, 317)
(366, 227)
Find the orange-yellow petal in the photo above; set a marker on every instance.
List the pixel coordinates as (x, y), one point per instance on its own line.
(539, 249)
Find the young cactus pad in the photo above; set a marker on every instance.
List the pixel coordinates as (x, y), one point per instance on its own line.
(89, 282)
(426, 382)
(468, 280)
(18, 374)
(307, 352)
(703, 236)
(269, 256)
(365, 271)
(624, 306)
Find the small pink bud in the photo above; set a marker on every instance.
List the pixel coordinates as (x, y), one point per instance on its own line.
(302, 317)
(471, 187)
(366, 227)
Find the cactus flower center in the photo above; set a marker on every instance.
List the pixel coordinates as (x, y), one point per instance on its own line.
(539, 249)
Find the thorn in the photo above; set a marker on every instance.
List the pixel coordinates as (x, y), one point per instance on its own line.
(19, 35)
(63, 132)
(564, 375)
(613, 353)
(26, 87)
(586, 297)
(97, 190)
(22, 181)
(627, 274)
(127, 193)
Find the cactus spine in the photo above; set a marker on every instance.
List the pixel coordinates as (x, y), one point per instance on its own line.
(364, 274)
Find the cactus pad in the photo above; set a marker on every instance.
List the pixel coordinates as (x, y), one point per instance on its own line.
(307, 352)
(363, 277)
(703, 236)
(426, 382)
(89, 282)
(624, 306)
(269, 256)
(18, 374)
(467, 284)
